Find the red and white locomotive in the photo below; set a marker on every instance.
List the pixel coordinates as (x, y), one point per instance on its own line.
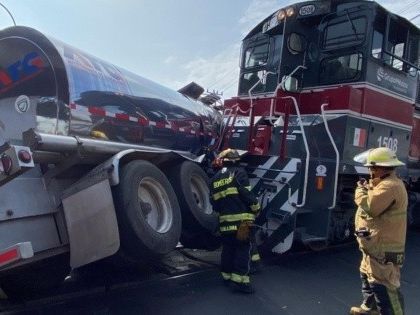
(321, 81)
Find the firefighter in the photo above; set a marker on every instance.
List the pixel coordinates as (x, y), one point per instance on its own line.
(380, 228)
(233, 200)
(217, 164)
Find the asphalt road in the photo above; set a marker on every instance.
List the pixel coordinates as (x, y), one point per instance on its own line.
(325, 282)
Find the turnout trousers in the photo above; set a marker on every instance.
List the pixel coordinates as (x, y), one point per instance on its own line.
(378, 297)
(236, 259)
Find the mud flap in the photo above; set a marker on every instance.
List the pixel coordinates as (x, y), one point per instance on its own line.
(91, 220)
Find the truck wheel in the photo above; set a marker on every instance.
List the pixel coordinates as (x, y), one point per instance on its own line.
(190, 183)
(148, 213)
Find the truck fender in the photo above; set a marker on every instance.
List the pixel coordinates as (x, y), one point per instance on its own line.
(158, 156)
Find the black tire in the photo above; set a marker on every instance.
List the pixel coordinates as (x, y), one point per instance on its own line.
(36, 279)
(200, 222)
(148, 213)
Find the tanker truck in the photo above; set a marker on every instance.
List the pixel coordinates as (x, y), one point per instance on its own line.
(95, 161)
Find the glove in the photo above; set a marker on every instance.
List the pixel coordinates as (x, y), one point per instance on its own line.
(244, 229)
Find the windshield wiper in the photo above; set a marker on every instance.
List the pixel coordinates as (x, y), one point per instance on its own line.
(352, 25)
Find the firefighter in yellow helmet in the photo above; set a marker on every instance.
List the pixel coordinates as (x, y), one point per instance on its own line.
(380, 228)
(232, 198)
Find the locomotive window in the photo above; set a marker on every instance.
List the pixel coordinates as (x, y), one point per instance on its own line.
(378, 35)
(413, 49)
(341, 69)
(396, 44)
(401, 46)
(377, 44)
(278, 43)
(248, 80)
(296, 43)
(344, 31)
(313, 52)
(256, 55)
(413, 53)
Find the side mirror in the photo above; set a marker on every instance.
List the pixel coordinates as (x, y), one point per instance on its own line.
(290, 84)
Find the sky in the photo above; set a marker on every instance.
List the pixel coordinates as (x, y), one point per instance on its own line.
(171, 42)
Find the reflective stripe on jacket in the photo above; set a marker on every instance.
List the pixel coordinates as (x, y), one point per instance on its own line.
(232, 198)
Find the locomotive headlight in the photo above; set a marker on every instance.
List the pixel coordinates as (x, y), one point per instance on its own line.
(290, 11)
(281, 15)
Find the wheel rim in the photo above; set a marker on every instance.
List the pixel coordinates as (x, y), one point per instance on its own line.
(201, 193)
(155, 206)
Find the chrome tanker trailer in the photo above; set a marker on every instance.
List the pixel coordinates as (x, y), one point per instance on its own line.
(91, 162)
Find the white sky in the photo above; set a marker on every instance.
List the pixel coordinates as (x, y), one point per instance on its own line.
(172, 42)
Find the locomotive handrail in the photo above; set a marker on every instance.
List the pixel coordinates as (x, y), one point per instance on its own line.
(305, 142)
(270, 119)
(337, 155)
(251, 108)
(228, 128)
(284, 134)
(228, 111)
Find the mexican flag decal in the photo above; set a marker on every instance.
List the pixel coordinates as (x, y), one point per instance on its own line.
(359, 138)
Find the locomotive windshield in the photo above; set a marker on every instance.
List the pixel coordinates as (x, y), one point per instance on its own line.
(261, 53)
(345, 29)
(256, 55)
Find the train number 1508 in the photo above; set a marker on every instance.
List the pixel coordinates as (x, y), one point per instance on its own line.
(389, 142)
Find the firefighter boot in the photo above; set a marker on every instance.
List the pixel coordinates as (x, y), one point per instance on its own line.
(255, 267)
(243, 288)
(362, 310)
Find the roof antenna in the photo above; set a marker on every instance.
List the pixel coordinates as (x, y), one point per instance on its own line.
(10, 14)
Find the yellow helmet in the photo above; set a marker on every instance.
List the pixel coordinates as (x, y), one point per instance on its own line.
(382, 157)
(229, 155)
